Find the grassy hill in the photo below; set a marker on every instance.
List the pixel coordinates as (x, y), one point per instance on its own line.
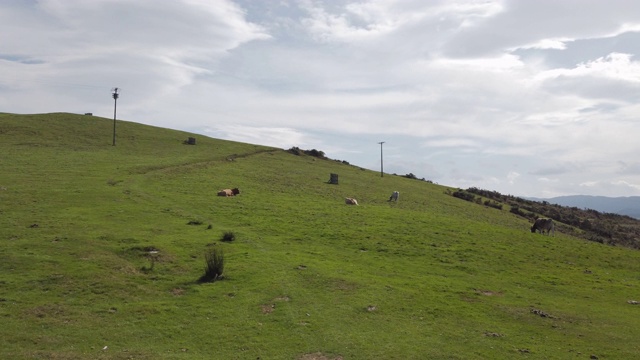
(102, 247)
(589, 224)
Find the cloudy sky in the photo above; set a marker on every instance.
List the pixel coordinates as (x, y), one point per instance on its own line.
(525, 97)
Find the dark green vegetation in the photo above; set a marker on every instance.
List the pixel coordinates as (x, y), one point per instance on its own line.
(214, 268)
(102, 248)
(605, 228)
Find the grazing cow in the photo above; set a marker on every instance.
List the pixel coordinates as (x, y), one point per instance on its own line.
(544, 224)
(350, 201)
(395, 196)
(229, 192)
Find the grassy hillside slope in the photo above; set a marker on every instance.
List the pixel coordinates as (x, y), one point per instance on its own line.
(101, 248)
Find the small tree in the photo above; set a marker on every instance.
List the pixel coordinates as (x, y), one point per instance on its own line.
(214, 265)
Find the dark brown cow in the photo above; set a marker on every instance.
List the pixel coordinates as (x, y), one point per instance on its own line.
(229, 192)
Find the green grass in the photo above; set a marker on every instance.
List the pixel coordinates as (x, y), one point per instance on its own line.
(431, 277)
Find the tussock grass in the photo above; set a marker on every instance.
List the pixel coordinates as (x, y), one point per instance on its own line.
(214, 265)
(444, 278)
(228, 236)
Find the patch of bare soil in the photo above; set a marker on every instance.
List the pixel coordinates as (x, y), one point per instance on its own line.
(268, 309)
(542, 314)
(177, 291)
(488, 292)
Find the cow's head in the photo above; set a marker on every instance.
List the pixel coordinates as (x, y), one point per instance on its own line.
(235, 191)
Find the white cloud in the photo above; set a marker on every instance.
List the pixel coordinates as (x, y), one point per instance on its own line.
(285, 137)
(463, 92)
(512, 176)
(557, 44)
(613, 66)
(356, 22)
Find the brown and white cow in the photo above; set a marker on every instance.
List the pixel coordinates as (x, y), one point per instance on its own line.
(229, 192)
(350, 201)
(544, 224)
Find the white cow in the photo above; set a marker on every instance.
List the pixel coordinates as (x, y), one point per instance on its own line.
(395, 196)
(350, 201)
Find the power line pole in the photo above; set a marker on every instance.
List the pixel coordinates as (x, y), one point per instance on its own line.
(115, 94)
(381, 163)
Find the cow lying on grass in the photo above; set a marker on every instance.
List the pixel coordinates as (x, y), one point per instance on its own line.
(544, 224)
(229, 192)
(350, 201)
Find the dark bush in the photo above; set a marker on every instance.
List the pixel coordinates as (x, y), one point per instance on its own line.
(295, 150)
(313, 152)
(460, 194)
(493, 204)
(515, 209)
(214, 265)
(228, 236)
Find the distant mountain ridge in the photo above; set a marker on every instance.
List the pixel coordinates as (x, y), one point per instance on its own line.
(629, 206)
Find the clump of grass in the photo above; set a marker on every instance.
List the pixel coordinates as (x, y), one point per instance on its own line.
(152, 260)
(214, 265)
(228, 236)
(194, 222)
(113, 182)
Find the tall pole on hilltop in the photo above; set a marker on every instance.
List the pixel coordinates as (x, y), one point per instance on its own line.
(381, 163)
(115, 94)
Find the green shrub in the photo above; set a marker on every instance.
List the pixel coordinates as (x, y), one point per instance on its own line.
(214, 265)
(515, 209)
(313, 152)
(295, 150)
(460, 194)
(493, 204)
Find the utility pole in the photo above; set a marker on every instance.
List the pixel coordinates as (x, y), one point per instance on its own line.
(115, 94)
(381, 163)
